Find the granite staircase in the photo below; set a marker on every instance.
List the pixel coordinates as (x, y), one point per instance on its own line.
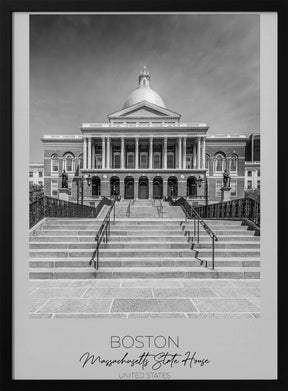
(148, 246)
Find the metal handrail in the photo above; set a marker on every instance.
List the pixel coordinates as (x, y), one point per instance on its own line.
(102, 234)
(190, 212)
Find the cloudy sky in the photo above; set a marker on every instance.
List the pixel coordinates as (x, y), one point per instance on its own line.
(82, 67)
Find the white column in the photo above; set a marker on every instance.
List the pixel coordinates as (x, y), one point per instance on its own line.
(93, 153)
(108, 152)
(165, 153)
(203, 152)
(180, 152)
(122, 152)
(137, 152)
(85, 153)
(150, 152)
(198, 153)
(184, 153)
(89, 152)
(194, 154)
(103, 153)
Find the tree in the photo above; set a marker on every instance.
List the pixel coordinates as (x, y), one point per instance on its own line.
(35, 192)
(254, 194)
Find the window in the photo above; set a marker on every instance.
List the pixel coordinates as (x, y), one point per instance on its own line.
(233, 163)
(218, 188)
(233, 186)
(54, 188)
(189, 161)
(68, 164)
(41, 183)
(81, 161)
(207, 160)
(170, 160)
(116, 160)
(40, 174)
(54, 163)
(249, 184)
(98, 161)
(258, 184)
(143, 160)
(130, 160)
(258, 173)
(249, 173)
(157, 160)
(219, 163)
(30, 174)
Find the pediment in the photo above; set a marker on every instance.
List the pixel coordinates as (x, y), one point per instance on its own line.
(144, 110)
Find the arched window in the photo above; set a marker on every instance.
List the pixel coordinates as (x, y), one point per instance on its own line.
(233, 163)
(68, 162)
(219, 162)
(54, 163)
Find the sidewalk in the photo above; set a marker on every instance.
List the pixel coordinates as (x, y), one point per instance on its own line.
(157, 298)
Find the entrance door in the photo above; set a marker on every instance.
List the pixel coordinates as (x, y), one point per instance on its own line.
(129, 189)
(143, 189)
(157, 189)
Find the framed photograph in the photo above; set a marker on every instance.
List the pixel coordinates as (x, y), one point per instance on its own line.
(140, 194)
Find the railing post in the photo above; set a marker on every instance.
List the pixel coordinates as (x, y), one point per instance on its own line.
(198, 230)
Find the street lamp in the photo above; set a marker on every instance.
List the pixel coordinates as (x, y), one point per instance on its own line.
(82, 179)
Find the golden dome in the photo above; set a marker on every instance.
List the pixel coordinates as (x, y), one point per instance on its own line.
(144, 92)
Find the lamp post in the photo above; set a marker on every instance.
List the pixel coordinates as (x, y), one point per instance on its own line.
(82, 179)
(199, 181)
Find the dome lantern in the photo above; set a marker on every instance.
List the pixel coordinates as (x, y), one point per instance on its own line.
(144, 92)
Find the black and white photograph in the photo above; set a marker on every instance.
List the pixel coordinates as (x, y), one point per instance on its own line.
(144, 194)
(144, 174)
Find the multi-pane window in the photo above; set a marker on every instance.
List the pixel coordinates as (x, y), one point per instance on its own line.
(170, 160)
(157, 160)
(55, 163)
(249, 184)
(258, 184)
(116, 160)
(207, 159)
(98, 161)
(218, 188)
(69, 163)
(189, 161)
(249, 173)
(40, 174)
(81, 161)
(233, 163)
(219, 163)
(30, 174)
(258, 173)
(233, 186)
(54, 188)
(130, 160)
(143, 160)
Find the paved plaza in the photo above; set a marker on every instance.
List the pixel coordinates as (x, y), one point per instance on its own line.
(157, 298)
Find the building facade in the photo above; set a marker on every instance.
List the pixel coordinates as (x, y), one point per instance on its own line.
(252, 163)
(36, 174)
(144, 151)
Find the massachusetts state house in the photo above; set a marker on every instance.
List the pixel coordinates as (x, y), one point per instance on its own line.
(144, 151)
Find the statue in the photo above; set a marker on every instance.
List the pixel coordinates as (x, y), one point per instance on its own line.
(64, 177)
(226, 179)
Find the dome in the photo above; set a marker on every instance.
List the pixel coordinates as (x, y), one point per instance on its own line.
(144, 92)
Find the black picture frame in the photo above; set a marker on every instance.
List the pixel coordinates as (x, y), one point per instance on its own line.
(7, 7)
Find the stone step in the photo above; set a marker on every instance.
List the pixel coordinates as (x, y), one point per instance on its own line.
(107, 252)
(142, 262)
(124, 238)
(229, 245)
(112, 245)
(162, 272)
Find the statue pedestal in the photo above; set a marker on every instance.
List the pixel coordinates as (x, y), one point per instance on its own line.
(64, 194)
(225, 194)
